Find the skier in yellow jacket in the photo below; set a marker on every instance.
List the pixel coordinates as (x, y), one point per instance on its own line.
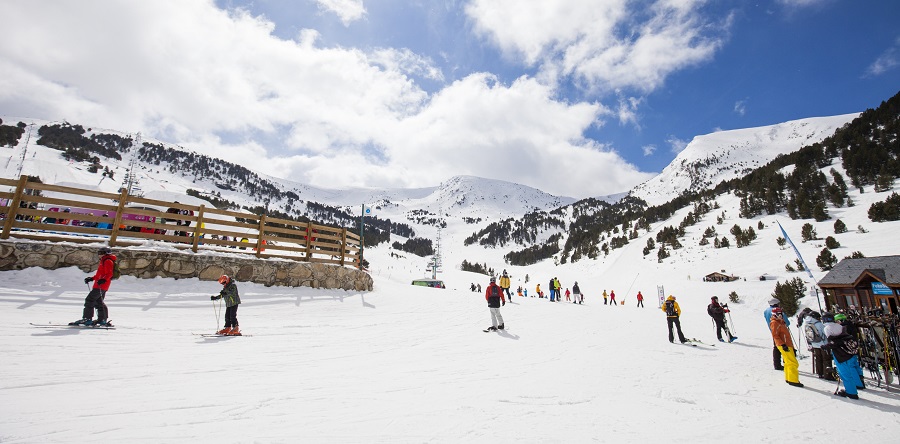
(673, 313)
(504, 284)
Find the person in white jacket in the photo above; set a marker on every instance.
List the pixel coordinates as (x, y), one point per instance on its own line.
(814, 330)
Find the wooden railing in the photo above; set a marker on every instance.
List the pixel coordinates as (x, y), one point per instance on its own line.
(58, 213)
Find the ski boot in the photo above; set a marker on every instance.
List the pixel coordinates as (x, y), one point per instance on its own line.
(500, 327)
(844, 394)
(103, 323)
(87, 323)
(224, 331)
(733, 338)
(80, 321)
(235, 331)
(722, 340)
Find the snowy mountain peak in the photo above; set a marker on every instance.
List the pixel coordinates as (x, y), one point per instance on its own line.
(724, 155)
(470, 195)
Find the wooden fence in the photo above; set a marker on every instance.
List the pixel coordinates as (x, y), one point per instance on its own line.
(59, 213)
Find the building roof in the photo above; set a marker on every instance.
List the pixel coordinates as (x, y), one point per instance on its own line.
(847, 271)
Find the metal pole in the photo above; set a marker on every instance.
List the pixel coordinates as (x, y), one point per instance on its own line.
(362, 229)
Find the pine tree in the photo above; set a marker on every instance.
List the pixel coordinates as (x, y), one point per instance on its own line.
(839, 227)
(826, 260)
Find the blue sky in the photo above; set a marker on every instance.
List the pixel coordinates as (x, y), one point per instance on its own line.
(575, 98)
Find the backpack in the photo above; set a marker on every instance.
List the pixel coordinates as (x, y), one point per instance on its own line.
(116, 272)
(495, 292)
(670, 308)
(812, 333)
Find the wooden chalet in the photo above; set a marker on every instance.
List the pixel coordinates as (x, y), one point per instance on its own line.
(719, 277)
(865, 283)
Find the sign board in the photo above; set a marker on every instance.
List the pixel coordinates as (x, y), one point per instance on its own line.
(879, 288)
(661, 293)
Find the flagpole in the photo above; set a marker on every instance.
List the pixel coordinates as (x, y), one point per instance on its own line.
(362, 228)
(799, 257)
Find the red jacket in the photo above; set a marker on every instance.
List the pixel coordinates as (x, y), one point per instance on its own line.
(487, 295)
(104, 271)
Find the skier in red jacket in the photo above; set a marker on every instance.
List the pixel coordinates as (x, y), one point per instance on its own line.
(494, 297)
(94, 299)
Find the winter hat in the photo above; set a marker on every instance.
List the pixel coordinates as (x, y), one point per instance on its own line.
(773, 302)
(104, 250)
(827, 317)
(815, 315)
(840, 317)
(715, 298)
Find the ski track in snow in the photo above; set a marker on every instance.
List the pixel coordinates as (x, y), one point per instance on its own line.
(407, 365)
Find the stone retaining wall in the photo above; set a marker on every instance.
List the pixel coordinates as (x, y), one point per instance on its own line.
(145, 264)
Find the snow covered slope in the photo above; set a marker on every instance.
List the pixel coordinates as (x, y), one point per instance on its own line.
(725, 155)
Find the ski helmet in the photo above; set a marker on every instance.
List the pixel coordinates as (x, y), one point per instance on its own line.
(773, 302)
(224, 279)
(715, 298)
(840, 317)
(493, 279)
(104, 250)
(827, 317)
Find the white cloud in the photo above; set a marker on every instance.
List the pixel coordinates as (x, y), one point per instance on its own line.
(740, 107)
(348, 10)
(649, 149)
(801, 3)
(207, 79)
(887, 61)
(676, 145)
(604, 45)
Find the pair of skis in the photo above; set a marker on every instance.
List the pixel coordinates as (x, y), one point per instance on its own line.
(79, 326)
(694, 342)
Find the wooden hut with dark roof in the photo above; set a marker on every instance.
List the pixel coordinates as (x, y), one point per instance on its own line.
(866, 283)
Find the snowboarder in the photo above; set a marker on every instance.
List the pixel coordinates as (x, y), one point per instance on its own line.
(782, 338)
(640, 299)
(494, 297)
(612, 297)
(504, 284)
(717, 312)
(776, 353)
(95, 297)
(232, 300)
(844, 348)
(673, 313)
(814, 330)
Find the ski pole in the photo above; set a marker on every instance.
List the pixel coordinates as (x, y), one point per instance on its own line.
(731, 321)
(216, 311)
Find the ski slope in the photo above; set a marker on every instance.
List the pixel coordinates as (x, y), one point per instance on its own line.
(400, 364)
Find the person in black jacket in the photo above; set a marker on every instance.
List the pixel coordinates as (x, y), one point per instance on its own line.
(232, 300)
(717, 312)
(844, 348)
(494, 297)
